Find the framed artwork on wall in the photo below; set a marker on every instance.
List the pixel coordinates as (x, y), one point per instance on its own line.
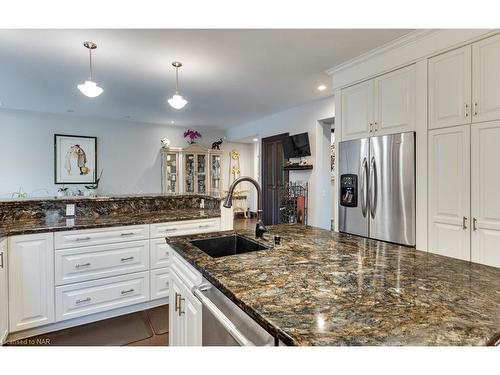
(75, 159)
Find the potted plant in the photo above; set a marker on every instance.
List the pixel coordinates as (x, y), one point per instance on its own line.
(192, 135)
(91, 190)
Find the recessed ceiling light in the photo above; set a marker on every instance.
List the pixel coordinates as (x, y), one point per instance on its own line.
(172, 122)
(321, 87)
(255, 139)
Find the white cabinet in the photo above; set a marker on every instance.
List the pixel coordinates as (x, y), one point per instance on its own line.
(95, 296)
(185, 311)
(4, 292)
(31, 281)
(450, 88)
(449, 194)
(464, 209)
(485, 189)
(357, 111)
(95, 262)
(486, 79)
(175, 322)
(160, 287)
(383, 105)
(395, 102)
(464, 85)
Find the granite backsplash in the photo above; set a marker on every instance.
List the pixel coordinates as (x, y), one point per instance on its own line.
(109, 206)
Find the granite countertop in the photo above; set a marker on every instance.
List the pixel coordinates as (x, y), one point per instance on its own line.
(89, 222)
(325, 288)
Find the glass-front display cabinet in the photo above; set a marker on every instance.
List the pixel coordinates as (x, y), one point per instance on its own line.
(215, 157)
(170, 170)
(195, 169)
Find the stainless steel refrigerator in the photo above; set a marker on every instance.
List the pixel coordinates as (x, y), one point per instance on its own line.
(377, 187)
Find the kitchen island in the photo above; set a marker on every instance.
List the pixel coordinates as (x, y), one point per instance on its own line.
(324, 288)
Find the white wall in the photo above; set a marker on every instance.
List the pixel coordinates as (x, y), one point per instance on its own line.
(129, 152)
(295, 120)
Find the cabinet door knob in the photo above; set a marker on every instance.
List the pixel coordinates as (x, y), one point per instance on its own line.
(370, 127)
(464, 223)
(375, 126)
(474, 224)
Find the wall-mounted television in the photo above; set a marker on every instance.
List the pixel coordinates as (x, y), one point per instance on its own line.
(296, 146)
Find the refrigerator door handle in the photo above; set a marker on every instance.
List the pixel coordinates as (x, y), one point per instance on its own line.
(373, 188)
(364, 187)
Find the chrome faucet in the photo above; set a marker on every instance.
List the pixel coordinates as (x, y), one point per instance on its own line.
(260, 229)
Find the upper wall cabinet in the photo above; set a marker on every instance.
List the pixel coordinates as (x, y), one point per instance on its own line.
(357, 110)
(450, 88)
(464, 85)
(395, 101)
(384, 105)
(486, 79)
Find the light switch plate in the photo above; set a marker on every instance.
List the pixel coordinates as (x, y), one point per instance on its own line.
(70, 210)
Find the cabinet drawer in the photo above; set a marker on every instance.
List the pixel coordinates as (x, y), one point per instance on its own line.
(91, 297)
(159, 283)
(180, 228)
(87, 237)
(188, 274)
(94, 262)
(160, 253)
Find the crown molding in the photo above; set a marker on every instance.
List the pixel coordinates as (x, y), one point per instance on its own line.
(408, 49)
(396, 43)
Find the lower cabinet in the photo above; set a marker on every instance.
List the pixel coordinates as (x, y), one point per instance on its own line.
(160, 283)
(464, 209)
(95, 296)
(4, 293)
(185, 311)
(31, 281)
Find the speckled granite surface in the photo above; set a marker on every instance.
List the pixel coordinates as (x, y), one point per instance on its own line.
(89, 222)
(123, 205)
(324, 288)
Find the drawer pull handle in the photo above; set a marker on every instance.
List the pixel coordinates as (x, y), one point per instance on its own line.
(1, 259)
(170, 229)
(204, 226)
(83, 238)
(127, 234)
(127, 291)
(125, 259)
(82, 265)
(78, 301)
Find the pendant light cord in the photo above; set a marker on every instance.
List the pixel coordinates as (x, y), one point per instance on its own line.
(90, 56)
(177, 80)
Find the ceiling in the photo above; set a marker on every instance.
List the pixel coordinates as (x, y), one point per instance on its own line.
(229, 76)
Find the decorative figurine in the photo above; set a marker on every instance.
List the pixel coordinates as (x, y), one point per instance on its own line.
(217, 143)
(165, 142)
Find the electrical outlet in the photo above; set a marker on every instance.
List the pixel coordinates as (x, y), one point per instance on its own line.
(70, 210)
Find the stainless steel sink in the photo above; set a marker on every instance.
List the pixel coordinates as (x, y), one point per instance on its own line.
(223, 246)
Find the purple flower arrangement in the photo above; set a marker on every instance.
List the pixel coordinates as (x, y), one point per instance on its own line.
(191, 135)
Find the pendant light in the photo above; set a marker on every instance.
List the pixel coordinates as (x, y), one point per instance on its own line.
(177, 101)
(90, 88)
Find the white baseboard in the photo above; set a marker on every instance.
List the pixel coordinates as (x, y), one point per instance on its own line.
(83, 320)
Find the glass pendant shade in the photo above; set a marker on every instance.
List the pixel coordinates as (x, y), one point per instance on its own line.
(90, 89)
(177, 101)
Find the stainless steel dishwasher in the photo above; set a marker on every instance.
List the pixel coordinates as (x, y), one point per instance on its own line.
(224, 323)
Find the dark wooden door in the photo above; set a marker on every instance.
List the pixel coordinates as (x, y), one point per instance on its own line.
(273, 176)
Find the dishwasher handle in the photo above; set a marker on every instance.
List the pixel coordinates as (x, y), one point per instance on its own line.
(221, 318)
